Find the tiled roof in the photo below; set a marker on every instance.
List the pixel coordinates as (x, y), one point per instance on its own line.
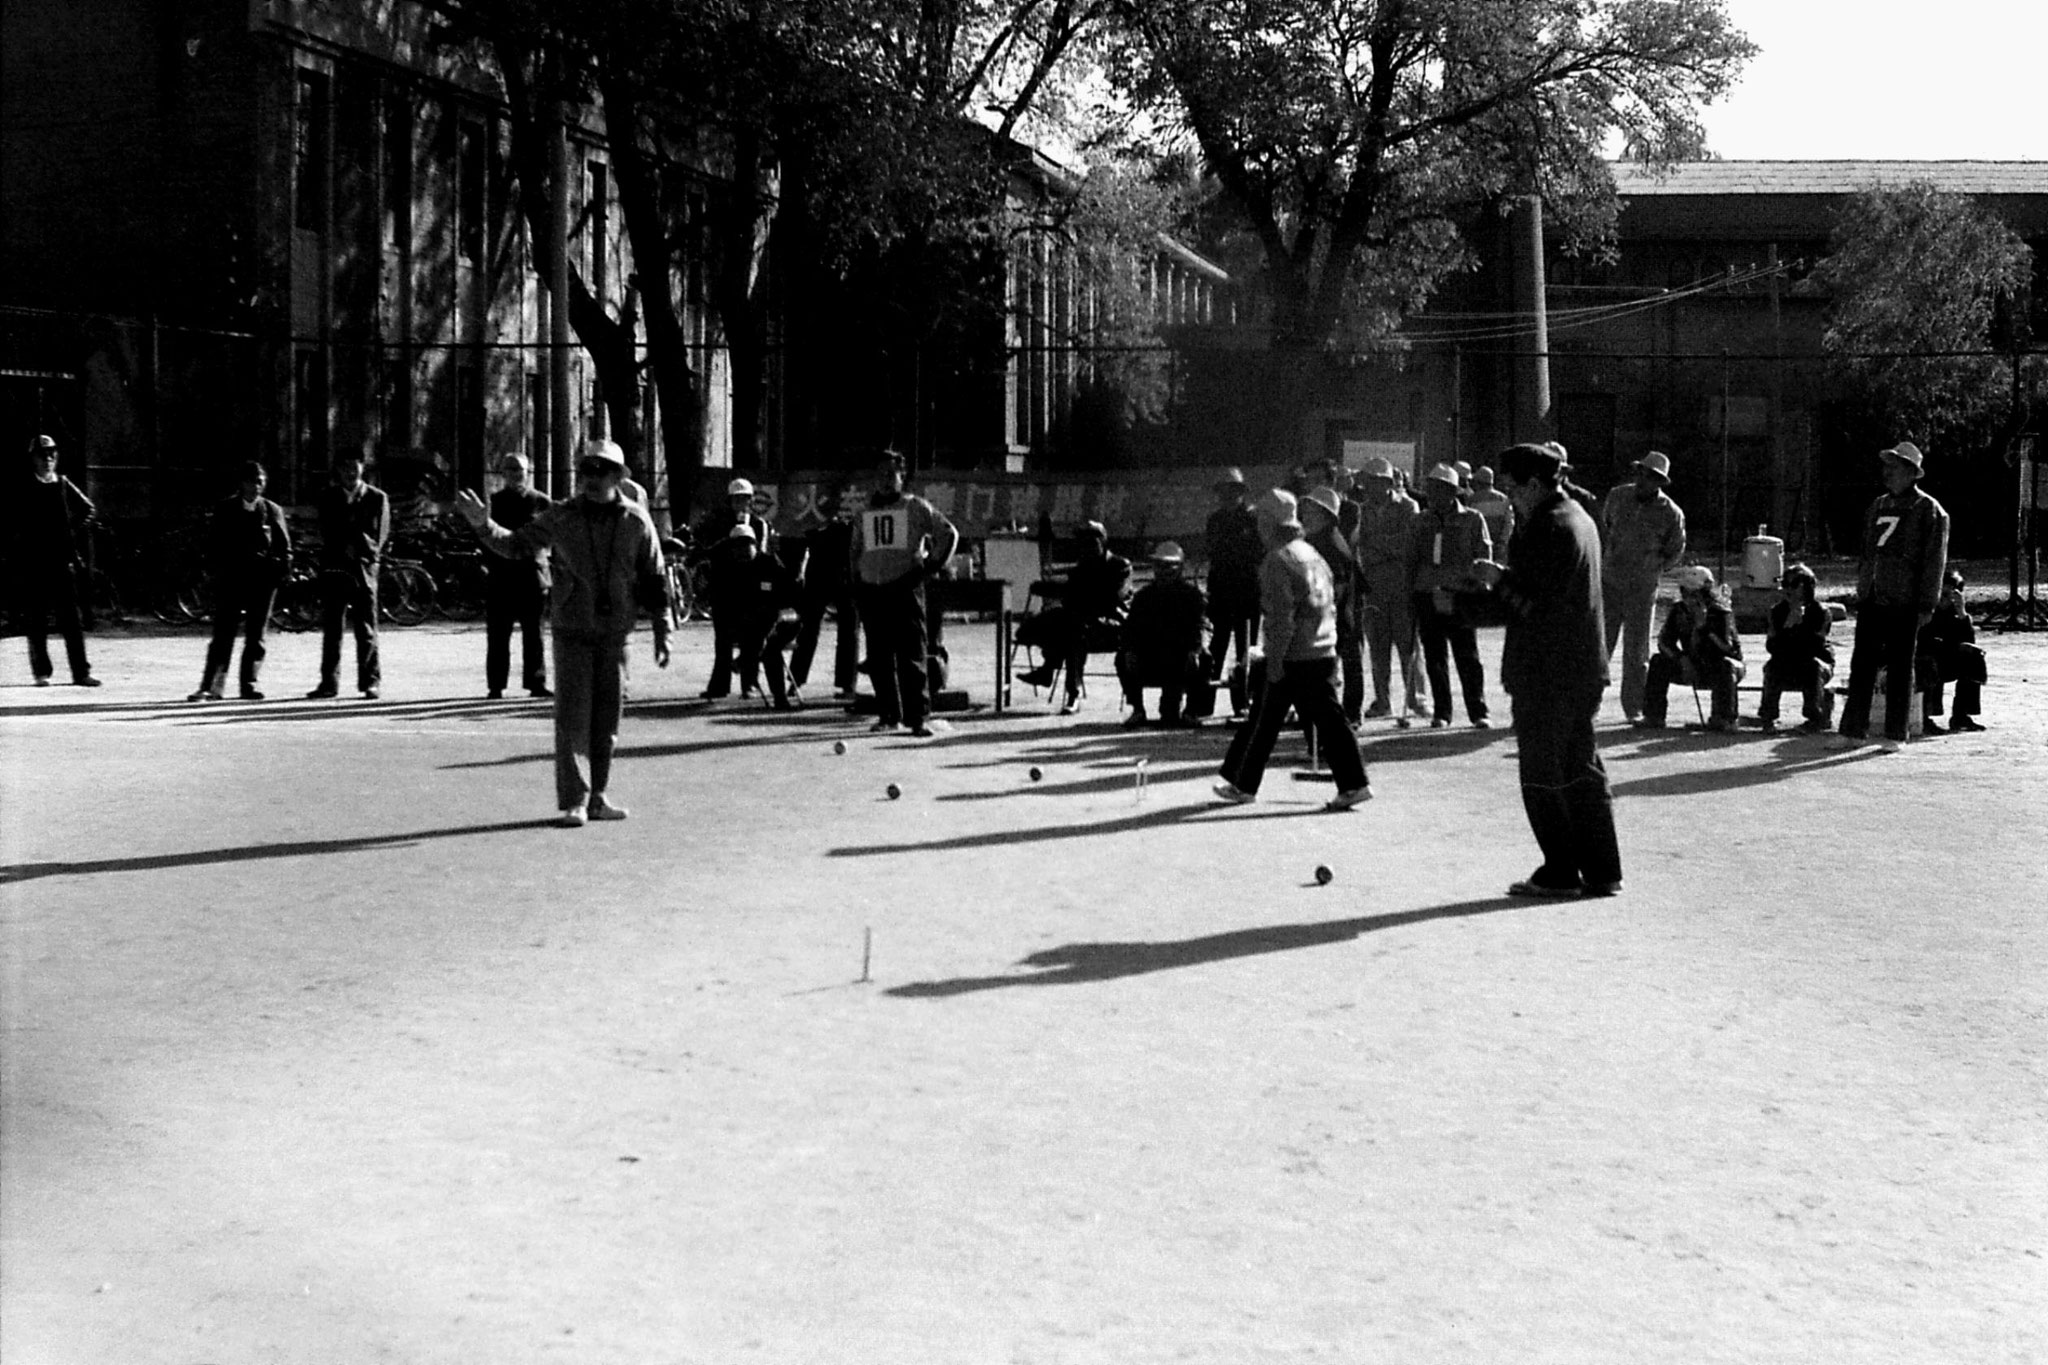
(1831, 177)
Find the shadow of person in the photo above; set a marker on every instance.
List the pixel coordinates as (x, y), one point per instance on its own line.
(297, 848)
(1074, 963)
(1162, 815)
(1789, 758)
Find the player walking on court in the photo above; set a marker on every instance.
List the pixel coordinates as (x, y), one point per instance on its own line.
(605, 558)
(1298, 617)
(899, 541)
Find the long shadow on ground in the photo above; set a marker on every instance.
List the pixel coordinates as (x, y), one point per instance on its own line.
(1164, 815)
(1074, 963)
(299, 848)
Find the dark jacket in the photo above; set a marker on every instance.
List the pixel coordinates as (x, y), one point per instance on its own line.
(1095, 589)
(606, 559)
(1166, 620)
(47, 530)
(1235, 552)
(1556, 636)
(353, 531)
(248, 547)
(513, 508)
(1794, 640)
(1701, 631)
(1905, 551)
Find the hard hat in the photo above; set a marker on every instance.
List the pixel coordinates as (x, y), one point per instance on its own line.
(739, 488)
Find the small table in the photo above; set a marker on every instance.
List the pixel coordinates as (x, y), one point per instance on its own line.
(990, 595)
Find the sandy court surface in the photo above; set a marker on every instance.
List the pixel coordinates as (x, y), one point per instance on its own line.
(320, 1046)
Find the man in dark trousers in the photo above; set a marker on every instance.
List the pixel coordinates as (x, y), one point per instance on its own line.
(1554, 667)
(1234, 551)
(1298, 611)
(1322, 524)
(1091, 604)
(355, 522)
(1448, 539)
(1949, 654)
(1905, 554)
(899, 541)
(249, 552)
(760, 594)
(715, 552)
(46, 546)
(515, 590)
(827, 585)
(1162, 641)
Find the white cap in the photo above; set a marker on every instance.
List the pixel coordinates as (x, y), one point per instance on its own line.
(739, 488)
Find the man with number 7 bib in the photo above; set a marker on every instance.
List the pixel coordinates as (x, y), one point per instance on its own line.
(1905, 554)
(899, 541)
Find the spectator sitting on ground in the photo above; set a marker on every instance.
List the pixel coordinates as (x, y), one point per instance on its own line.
(1162, 642)
(1091, 597)
(1949, 653)
(1699, 647)
(1800, 657)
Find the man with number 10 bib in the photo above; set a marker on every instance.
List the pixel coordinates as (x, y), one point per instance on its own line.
(899, 541)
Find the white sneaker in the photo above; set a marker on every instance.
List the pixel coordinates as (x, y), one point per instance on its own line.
(601, 809)
(575, 817)
(1234, 794)
(1357, 796)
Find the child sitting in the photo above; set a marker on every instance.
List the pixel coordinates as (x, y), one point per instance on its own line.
(1698, 646)
(1801, 658)
(1949, 653)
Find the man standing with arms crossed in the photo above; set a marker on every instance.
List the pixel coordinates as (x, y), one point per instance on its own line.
(1554, 667)
(515, 590)
(1905, 555)
(355, 521)
(1642, 536)
(899, 541)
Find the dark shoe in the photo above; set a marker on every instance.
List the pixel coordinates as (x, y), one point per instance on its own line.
(885, 727)
(1931, 726)
(43, 681)
(1531, 889)
(1965, 723)
(921, 730)
(1379, 710)
(87, 681)
(1721, 725)
(249, 694)
(542, 691)
(204, 694)
(495, 694)
(1440, 723)
(1601, 890)
(1137, 721)
(1481, 723)
(1036, 677)
(323, 691)
(1648, 723)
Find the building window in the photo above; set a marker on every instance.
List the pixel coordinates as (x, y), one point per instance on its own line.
(471, 168)
(309, 150)
(396, 155)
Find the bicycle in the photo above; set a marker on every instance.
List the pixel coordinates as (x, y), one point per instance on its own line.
(405, 592)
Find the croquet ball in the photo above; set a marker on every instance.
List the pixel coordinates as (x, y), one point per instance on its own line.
(894, 791)
(838, 746)
(1323, 874)
(1036, 774)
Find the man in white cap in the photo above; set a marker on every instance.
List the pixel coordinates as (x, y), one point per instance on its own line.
(1162, 641)
(1298, 609)
(714, 549)
(1386, 532)
(1642, 537)
(1905, 555)
(1698, 646)
(605, 562)
(1449, 539)
(515, 590)
(1234, 552)
(44, 548)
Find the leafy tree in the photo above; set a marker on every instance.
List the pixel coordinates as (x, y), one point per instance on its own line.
(1918, 279)
(1357, 140)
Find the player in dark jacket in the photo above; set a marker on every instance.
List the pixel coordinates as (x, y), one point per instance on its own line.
(759, 594)
(1801, 658)
(1554, 668)
(355, 523)
(1162, 641)
(1905, 554)
(1235, 552)
(515, 590)
(250, 552)
(1949, 653)
(45, 549)
(1091, 601)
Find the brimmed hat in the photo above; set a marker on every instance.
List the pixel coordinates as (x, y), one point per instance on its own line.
(739, 488)
(514, 457)
(1325, 498)
(1694, 578)
(1445, 473)
(741, 532)
(1168, 552)
(1657, 463)
(1278, 506)
(1907, 454)
(41, 444)
(1377, 468)
(601, 449)
(1232, 478)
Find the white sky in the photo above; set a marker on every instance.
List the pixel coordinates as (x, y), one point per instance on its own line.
(1839, 80)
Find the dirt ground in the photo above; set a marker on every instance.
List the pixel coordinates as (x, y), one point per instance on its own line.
(321, 1047)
